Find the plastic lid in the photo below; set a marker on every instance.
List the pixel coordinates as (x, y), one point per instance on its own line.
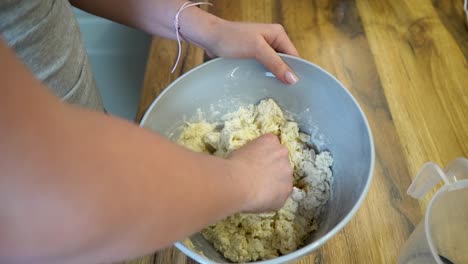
(431, 174)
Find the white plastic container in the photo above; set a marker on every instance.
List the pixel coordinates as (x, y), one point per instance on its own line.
(442, 235)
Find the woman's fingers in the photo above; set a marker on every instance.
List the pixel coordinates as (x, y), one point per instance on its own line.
(279, 40)
(266, 55)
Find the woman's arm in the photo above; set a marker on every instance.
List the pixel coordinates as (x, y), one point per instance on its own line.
(155, 17)
(217, 36)
(81, 187)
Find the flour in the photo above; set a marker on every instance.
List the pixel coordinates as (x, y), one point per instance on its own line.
(250, 237)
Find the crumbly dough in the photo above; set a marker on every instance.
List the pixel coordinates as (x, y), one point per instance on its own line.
(250, 237)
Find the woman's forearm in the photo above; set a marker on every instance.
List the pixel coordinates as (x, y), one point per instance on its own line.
(97, 181)
(81, 187)
(156, 17)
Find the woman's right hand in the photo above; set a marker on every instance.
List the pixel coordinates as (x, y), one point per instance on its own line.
(263, 165)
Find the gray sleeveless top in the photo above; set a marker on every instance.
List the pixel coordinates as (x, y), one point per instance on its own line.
(46, 37)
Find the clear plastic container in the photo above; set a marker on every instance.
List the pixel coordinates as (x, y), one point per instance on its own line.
(442, 235)
(465, 7)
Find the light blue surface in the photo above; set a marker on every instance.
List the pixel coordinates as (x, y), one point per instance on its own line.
(118, 56)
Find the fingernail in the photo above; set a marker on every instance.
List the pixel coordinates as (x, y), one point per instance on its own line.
(291, 78)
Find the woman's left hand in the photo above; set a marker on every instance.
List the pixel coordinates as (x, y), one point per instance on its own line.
(252, 40)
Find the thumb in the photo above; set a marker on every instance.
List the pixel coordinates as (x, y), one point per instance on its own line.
(267, 56)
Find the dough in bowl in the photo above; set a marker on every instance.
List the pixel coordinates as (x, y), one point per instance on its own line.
(250, 237)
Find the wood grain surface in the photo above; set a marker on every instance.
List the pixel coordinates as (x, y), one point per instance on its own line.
(406, 64)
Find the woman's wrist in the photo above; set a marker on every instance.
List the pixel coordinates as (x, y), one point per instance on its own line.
(232, 178)
(223, 181)
(199, 27)
(244, 185)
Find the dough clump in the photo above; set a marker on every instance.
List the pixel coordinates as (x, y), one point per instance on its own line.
(250, 237)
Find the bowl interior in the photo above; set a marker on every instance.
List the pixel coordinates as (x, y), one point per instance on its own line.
(318, 102)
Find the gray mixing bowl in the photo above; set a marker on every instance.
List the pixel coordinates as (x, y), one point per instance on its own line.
(320, 104)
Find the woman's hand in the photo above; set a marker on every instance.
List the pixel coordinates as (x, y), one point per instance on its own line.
(263, 165)
(251, 40)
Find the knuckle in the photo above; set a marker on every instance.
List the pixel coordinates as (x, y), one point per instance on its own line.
(284, 151)
(280, 66)
(259, 44)
(278, 63)
(279, 27)
(270, 137)
(288, 190)
(289, 169)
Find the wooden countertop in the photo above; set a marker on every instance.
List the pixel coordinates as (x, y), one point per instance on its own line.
(406, 64)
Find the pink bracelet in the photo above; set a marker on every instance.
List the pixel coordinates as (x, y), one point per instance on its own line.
(177, 27)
